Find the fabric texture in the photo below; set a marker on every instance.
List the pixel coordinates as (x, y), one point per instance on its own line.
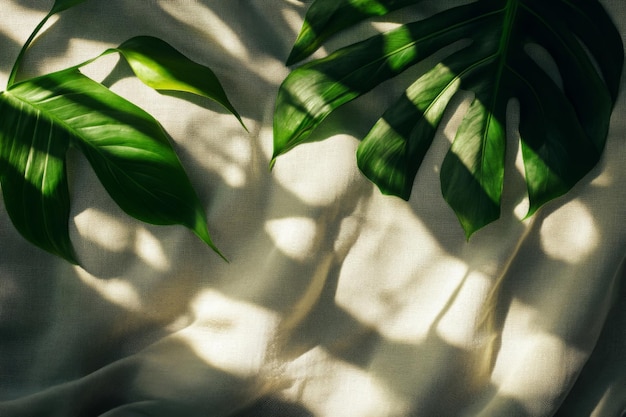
(337, 301)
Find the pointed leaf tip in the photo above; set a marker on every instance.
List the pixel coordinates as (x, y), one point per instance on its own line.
(162, 67)
(200, 228)
(127, 148)
(562, 127)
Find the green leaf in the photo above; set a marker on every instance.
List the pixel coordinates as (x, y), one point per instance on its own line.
(310, 93)
(563, 121)
(393, 150)
(128, 150)
(160, 66)
(326, 17)
(61, 5)
(33, 178)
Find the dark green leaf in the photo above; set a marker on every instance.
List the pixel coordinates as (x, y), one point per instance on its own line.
(127, 148)
(326, 17)
(395, 147)
(61, 5)
(310, 93)
(162, 67)
(564, 117)
(32, 174)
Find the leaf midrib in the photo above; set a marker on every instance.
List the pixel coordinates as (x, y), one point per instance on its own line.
(505, 40)
(382, 58)
(385, 56)
(55, 120)
(41, 188)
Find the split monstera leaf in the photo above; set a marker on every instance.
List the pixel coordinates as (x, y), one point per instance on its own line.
(563, 124)
(42, 117)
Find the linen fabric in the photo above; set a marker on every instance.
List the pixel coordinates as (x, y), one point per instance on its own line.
(337, 301)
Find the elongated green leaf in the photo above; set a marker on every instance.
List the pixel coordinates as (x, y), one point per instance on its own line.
(556, 150)
(393, 150)
(473, 169)
(32, 174)
(59, 6)
(326, 17)
(162, 67)
(564, 117)
(310, 93)
(127, 148)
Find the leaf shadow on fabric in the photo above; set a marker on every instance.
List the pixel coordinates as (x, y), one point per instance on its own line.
(22, 284)
(305, 306)
(9, 50)
(597, 387)
(271, 407)
(165, 379)
(559, 146)
(117, 23)
(598, 225)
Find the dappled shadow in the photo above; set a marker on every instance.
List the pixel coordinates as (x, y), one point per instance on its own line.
(400, 366)
(165, 379)
(8, 53)
(23, 285)
(272, 407)
(33, 4)
(598, 386)
(304, 243)
(114, 22)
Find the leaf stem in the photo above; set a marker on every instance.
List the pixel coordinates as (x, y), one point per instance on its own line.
(18, 61)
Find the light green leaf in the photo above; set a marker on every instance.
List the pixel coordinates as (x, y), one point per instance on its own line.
(127, 148)
(326, 17)
(160, 66)
(563, 126)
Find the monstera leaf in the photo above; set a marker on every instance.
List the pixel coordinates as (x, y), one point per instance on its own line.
(41, 118)
(564, 118)
(327, 17)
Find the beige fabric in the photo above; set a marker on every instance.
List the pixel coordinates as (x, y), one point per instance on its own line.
(337, 301)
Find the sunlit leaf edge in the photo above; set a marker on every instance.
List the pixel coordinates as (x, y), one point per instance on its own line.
(578, 12)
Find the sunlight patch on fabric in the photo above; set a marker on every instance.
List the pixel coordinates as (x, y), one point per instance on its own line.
(316, 173)
(102, 67)
(149, 249)
(538, 371)
(104, 230)
(569, 234)
(403, 308)
(227, 161)
(292, 17)
(204, 19)
(229, 334)
(117, 291)
(347, 390)
(459, 324)
(296, 237)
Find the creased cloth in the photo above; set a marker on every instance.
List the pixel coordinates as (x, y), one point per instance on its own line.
(337, 301)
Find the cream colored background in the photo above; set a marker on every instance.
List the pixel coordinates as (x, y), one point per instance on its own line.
(338, 301)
